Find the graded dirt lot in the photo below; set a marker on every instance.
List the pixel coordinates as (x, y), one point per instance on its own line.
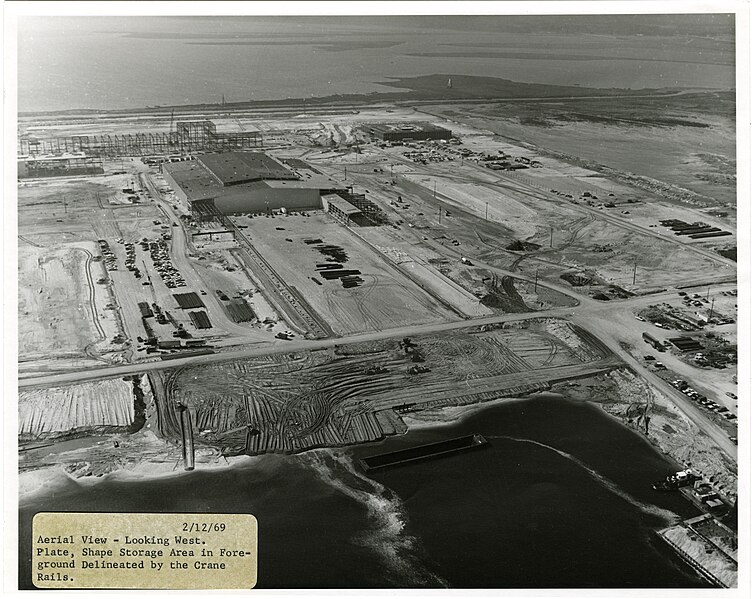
(64, 308)
(386, 298)
(70, 305)
(688, 141)
(479, 213)
(351, 394)
(518, 237)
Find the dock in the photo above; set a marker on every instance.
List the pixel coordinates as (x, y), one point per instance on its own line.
(422, 452)
(187, 436)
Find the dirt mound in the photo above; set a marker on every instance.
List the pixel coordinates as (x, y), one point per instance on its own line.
(522, 246)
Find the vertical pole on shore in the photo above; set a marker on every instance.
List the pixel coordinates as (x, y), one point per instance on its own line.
(551, 238)
(344, 172)
(439, 215)
(711, 310)
(536, 280)
(635, 269)
(434, 190)
(486, 210)
(707, 291)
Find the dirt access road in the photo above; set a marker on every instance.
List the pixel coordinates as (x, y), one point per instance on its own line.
(608, 324)
(216, 313)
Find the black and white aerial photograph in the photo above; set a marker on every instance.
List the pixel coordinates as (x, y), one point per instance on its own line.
(444, 301)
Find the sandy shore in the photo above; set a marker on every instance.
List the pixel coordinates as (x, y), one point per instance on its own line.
(145, 456)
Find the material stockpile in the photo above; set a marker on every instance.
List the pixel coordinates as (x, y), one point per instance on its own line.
(189, 300)
(200, 319)
(239, 311)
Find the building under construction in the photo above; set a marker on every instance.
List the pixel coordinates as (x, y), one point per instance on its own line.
(63, 165)
(189, 136)
(398, 132)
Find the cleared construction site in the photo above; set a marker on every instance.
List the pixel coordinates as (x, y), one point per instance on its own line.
(359, 393)
(200, 286)
(203, 286)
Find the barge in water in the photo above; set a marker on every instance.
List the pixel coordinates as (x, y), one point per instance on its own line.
(422, 452)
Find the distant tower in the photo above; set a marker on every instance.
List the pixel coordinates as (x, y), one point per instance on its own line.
(449, 83)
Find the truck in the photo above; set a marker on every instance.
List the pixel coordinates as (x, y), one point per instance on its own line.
(657, 345)
(466, 261)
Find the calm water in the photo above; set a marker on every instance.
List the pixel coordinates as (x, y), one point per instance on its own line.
(108, 63)
(560, 498)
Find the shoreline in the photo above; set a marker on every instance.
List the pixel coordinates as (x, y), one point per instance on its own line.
(38, 478)
(31, 482)
(419, 89)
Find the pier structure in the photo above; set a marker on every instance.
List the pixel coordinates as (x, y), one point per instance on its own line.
(187, 435)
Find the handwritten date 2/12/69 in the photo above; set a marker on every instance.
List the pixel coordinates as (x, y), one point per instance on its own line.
(203, 527)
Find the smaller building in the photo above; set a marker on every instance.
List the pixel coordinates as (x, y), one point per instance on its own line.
(340, 209)
(59, 165)
(409, 131)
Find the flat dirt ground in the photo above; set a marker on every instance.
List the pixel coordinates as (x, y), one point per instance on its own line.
(700, 158)
(336, 396)
(385, 300)
(581, 240)
(61, 307)
(68, 322)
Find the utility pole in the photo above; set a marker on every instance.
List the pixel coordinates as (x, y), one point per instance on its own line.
(65, 206)
(635, 269)
(439, 215)
(711, 310)
(707, 291)
(149, 280)
(344, 172)
(551, 238)
(536, 280)
(434, 190)
(486, 210)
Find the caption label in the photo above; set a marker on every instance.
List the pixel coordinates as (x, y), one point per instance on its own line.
(144, 551)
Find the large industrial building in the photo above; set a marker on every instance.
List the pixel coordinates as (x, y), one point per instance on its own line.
(407, 131)
(189, 136)
(244, 182)
(59, 165)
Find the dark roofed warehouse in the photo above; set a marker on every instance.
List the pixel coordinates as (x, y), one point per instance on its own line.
(239, 182)
(234, 168)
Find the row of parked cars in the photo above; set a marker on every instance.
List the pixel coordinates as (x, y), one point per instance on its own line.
(131, 260)
(702, 400)
(108, 255)
(159, 254)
